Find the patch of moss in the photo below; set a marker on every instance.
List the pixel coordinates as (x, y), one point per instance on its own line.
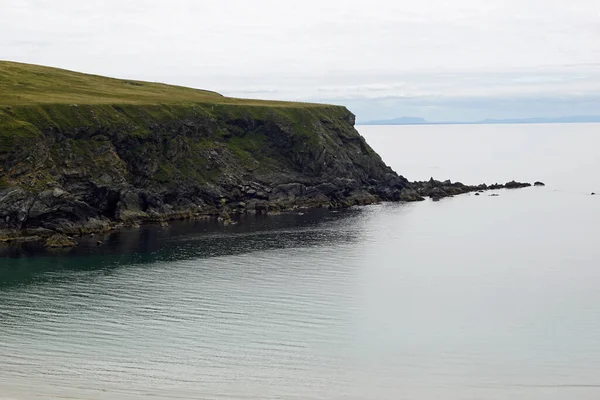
(15, 133)
(253, 143)
(166, 173)
(190, 167)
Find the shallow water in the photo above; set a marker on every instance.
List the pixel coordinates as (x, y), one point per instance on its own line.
(472, 297)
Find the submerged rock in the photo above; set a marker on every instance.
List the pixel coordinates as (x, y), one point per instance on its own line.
(59, 240)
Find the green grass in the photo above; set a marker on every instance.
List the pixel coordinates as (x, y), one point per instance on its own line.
(36, 99)
(27, 84)
(76, 118)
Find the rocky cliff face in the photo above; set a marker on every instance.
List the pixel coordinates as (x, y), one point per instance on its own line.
(77, 169)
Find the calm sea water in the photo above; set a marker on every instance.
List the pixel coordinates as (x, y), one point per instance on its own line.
(472, 297)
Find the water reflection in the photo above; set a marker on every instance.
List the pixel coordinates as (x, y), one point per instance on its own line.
(31, 262)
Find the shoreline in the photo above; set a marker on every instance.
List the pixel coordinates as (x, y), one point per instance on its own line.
(67, 236)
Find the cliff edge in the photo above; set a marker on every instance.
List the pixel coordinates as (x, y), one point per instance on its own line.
(82, 153)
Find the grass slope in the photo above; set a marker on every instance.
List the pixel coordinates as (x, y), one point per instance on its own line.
(49, 115)
(27, 84)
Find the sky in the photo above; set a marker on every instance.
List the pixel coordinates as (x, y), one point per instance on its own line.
(439, 60)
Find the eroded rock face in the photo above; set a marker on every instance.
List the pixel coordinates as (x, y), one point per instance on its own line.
(79, 180)
(138, 164)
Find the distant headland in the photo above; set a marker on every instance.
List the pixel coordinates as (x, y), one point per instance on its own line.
(578, 119)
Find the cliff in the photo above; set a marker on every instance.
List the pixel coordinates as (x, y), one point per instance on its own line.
(82, 153)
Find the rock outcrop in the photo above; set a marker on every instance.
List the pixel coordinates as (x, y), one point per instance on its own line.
(440, 189)
(60, 241)
(516, 185)
(83, 154)
(140, 164)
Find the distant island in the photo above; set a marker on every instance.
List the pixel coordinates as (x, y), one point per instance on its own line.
(421, 121)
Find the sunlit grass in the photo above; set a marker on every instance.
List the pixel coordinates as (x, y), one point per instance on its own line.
(27, 84)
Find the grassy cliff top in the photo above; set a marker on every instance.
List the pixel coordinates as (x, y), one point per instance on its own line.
(39, 103)
(27, 84)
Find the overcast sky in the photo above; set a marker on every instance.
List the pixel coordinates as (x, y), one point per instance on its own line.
(450, 59)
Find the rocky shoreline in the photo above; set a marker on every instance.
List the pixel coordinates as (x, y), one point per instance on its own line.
(71, 170)
(437, 190)
(254, 198)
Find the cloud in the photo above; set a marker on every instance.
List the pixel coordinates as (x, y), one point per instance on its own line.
(577, 82)
(318, 50)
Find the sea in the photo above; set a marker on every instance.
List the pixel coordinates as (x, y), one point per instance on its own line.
(468, 298)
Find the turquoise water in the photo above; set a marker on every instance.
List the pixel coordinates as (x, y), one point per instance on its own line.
(472, 297)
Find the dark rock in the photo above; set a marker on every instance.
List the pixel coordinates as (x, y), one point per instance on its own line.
(410, 195)
(538, 183)
(455, 190)
(186, 165)
(494, 195)
(437, 189)
(593, 194)
(516, 185)
(261, 195)
(261, 207)
(477, 194)
(437, 192)
(327, 189)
